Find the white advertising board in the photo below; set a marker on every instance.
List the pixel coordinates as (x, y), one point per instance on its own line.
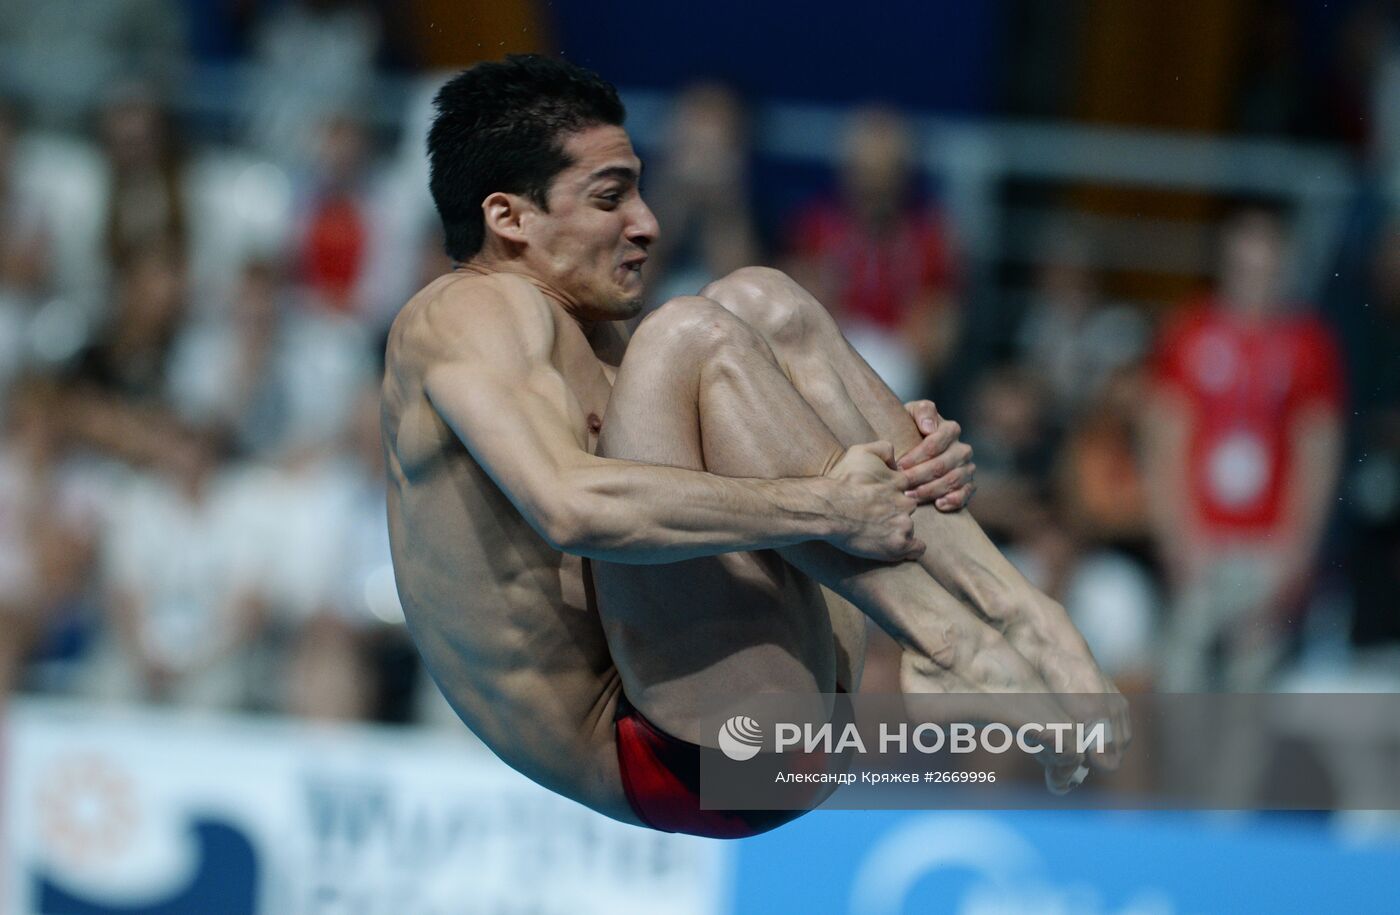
(121, 811)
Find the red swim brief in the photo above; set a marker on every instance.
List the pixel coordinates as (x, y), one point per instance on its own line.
(661, 775)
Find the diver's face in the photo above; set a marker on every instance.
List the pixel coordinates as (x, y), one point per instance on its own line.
(591, 243)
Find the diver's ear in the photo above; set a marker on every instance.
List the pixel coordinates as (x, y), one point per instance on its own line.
(506, 216)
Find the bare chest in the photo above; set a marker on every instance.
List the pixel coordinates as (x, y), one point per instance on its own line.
(588, 381)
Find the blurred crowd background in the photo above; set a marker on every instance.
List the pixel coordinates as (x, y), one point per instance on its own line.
(1147, 254)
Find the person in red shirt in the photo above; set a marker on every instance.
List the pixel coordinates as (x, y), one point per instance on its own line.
(882, 260)
(1243, 446)
(334, 235)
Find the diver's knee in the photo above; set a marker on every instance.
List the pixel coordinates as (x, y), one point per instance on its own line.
(771, 302)
(693, 324)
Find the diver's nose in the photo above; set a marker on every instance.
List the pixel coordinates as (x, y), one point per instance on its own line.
(644, 228)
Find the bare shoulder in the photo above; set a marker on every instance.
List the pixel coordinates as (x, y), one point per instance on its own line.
(458, 316)
(462, 335)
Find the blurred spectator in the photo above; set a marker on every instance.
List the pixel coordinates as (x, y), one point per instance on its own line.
(880, 259)
(54, 502)
(24, 254)
(179, 569)
(336, 224)
(274, 372)
(1243, 445)
(29, 528)
(222, 372)
(1069, 337)
(145, 176)
(305, 500)
(322, 359)
(311, 58)
(1092, 552)
(317, 525)
(1102, 492)
(53, 196)
(131, 357)
(701, 195)
(1014, 452)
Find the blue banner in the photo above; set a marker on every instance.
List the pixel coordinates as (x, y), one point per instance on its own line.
(897, 862)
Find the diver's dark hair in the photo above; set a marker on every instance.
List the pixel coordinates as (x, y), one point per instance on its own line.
(500, 126)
